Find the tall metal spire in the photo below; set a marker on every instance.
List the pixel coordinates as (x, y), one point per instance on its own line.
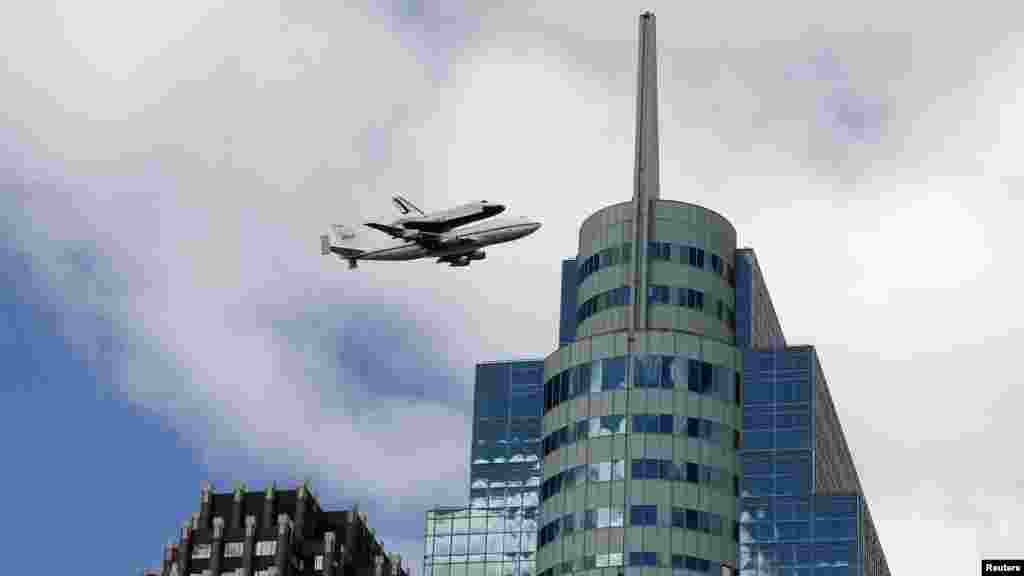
(645, 179)
(646, 166)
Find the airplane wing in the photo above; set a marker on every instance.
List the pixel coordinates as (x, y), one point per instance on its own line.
(429, 240)
(393, 231)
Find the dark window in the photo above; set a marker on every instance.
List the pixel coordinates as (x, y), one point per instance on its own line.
(692, 520)
(627, 251)
(643, 558)
(614, 374)
(672, 471)
(706, 376)
(692, 472)
(647, 423)
(669, 368)
(639, 471)
(693, 427)
(657, 294)
(646, 371)
(696, 257)
(659, 250)
(653, 468)
(643, 515)
(678, 518)
(589, 519)
(693, 382)
(665, 423)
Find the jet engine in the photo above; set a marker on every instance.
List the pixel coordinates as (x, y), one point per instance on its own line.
(459, 263)
(478, 255)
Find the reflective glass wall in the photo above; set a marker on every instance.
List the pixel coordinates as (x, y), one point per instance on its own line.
(567, 309)
(479, 542)
(785, 529)
(496, 535)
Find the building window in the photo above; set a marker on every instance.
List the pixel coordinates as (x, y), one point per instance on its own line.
(318, 562)
(201, 551)
(643, 515)
(643, 558)
(266, 548)
(696, 257)
(233, 549)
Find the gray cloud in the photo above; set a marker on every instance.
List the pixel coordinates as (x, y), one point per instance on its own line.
(865, 150)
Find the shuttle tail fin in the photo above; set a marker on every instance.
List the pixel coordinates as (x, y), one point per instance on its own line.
(406, 207)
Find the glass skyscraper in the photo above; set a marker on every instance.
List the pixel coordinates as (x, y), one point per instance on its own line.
(641, 409)
(803, 510)
(496, 535)
(680, 434)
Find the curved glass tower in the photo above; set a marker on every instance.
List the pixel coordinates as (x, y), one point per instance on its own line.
(641, 412)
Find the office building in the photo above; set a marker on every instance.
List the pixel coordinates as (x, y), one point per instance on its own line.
(669, 347)
(642, 416)
(803, 507)
(275, 533)
(496, 535)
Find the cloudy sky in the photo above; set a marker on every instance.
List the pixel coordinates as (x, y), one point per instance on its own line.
(166, 168)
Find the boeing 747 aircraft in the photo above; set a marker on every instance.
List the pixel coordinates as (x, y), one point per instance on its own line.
(434, 235)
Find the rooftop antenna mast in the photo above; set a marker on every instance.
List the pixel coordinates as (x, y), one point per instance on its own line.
(645, 166)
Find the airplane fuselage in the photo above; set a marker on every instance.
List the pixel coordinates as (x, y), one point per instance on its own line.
(462, 241)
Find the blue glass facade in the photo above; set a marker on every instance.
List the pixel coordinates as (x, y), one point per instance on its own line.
(757, 325)
(802, 511)
(497, 534)
(567, 309)
(506, 444)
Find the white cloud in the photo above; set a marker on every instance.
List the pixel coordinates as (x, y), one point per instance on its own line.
(204, 150)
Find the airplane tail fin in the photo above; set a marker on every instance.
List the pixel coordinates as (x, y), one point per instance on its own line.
(406, 207)
(342, 235)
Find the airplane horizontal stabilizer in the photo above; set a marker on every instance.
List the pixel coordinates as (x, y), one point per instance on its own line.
(347, 252)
